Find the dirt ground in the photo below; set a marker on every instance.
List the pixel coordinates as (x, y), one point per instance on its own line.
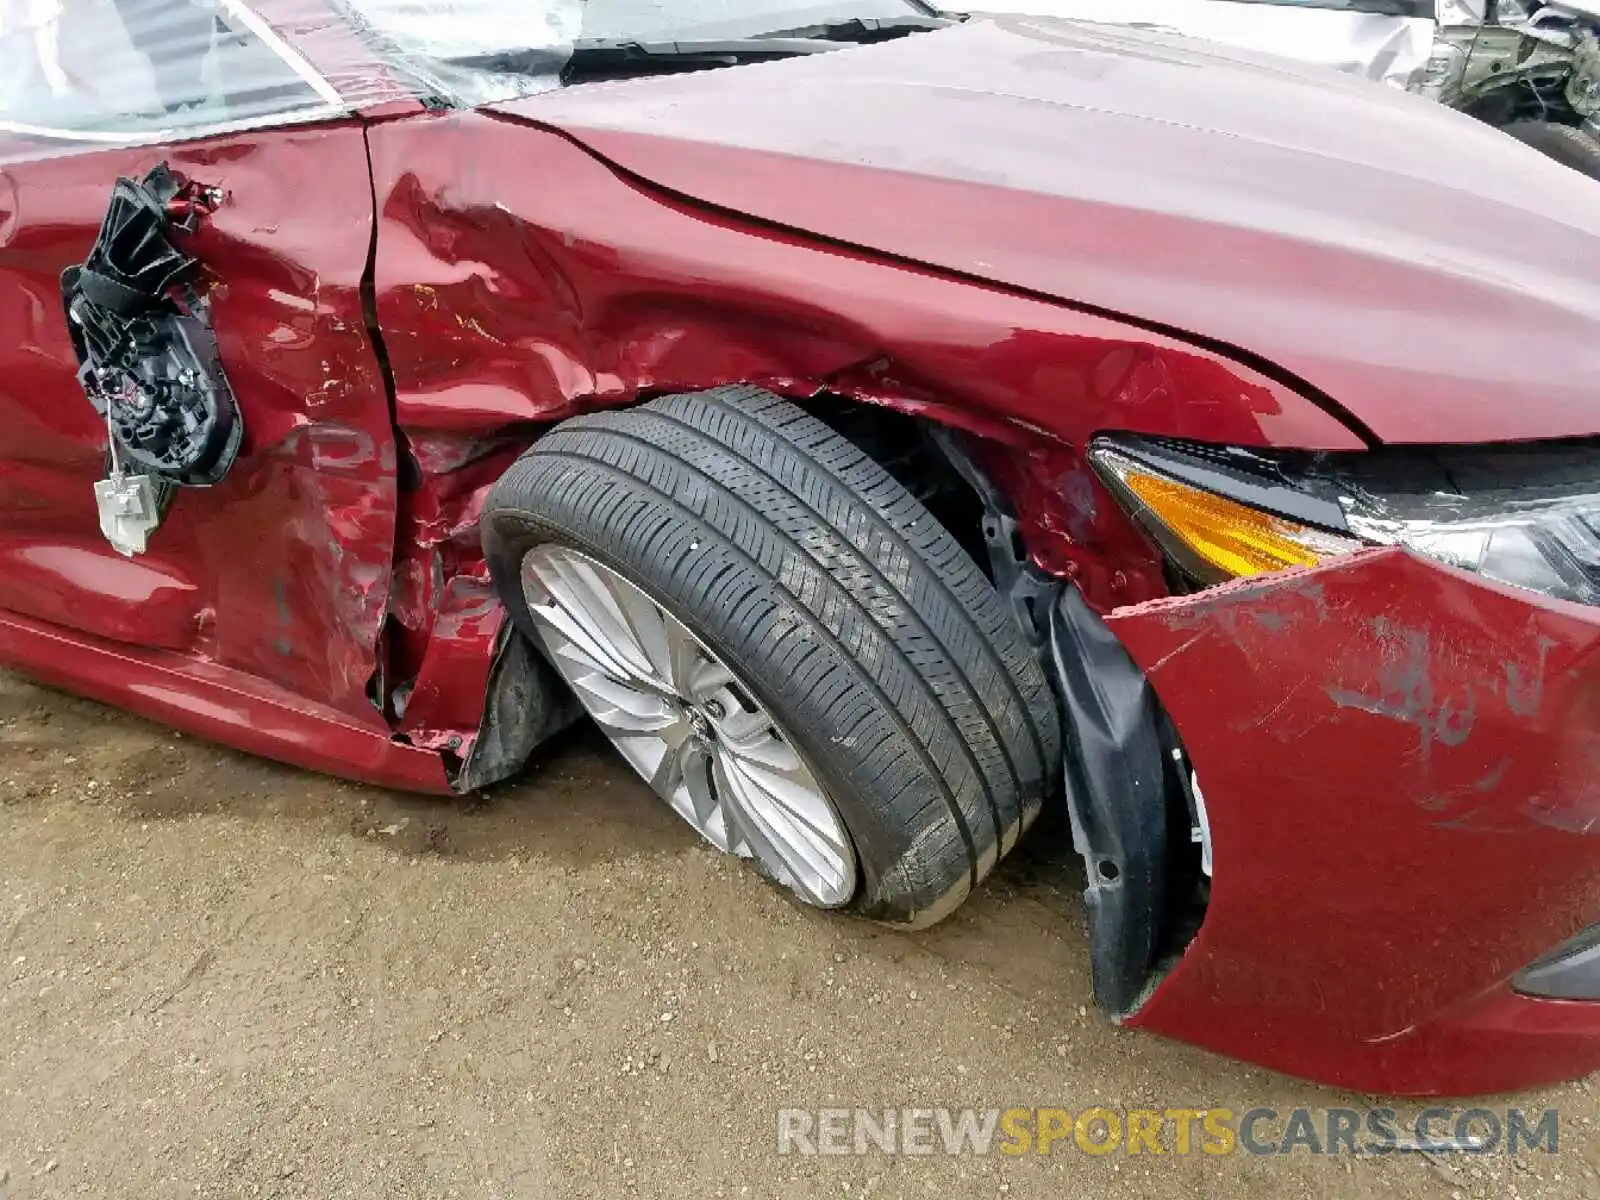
(221, 977)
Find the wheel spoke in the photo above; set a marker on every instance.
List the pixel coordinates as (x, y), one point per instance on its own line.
(569, 638)
(598, 621)
(742, 826)
(668, 774)
(752, 737)
(783, 835)
(625, 709)
(648, 626)
(687, 724)
(687, 662)
(794, 817)
(707, 816)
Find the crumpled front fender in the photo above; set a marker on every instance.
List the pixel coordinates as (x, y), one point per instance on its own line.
(1401, 764)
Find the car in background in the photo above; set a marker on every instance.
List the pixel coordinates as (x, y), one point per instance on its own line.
(1530, 67)
(882, 428)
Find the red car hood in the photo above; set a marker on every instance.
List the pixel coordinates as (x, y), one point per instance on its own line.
(1437, 279)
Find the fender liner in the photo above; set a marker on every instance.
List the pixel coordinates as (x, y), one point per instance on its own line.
(1117, 798)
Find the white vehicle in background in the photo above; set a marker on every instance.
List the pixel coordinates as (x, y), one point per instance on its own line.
(1531, 67)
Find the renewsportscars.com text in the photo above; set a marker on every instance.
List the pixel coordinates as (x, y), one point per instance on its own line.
(1182, 1131)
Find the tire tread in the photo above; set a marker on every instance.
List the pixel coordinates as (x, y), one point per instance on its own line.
(800, 556)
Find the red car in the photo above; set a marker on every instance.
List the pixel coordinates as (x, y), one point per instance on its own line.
(883, 427)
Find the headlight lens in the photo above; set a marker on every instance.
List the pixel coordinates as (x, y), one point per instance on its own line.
(1548, 543)
(1525, 516)
(1210, 537)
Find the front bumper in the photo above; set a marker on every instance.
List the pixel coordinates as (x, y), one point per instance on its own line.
(1401, 765)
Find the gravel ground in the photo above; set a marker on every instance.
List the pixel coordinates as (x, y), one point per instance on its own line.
(221, 977)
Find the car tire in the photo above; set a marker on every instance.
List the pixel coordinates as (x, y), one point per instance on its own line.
(839, 605)
(1567, 144)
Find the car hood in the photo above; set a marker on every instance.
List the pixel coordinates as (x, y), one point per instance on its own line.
(1433, 277)
(1384, 46)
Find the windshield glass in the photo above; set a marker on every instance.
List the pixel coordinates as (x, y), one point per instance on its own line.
(473, 52)
(1388, 8)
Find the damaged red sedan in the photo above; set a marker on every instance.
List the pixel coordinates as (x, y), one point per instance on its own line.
(882, 427)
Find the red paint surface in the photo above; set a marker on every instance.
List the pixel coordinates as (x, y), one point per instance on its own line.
(447, 621)
(283, 569)
(220, 703)
(502, 298)
(86, 585)
(1402, 769)
(1429, 273)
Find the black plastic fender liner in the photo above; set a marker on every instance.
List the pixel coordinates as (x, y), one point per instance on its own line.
(1026, 590)
(526, 705)
(1117, 798)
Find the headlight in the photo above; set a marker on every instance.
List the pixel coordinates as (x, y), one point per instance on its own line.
(1218, 515)
(1526, 516)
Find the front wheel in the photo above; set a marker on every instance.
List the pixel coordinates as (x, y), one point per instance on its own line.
(783, 643)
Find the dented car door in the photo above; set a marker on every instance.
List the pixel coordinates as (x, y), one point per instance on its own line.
(277, 565)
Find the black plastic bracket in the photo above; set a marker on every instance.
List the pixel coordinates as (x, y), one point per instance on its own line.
(1027, 591)
(1117, 798)
(526, 704)
(148, 358)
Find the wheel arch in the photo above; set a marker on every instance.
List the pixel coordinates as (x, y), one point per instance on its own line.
(831, 595)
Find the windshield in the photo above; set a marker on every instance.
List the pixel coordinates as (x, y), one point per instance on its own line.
(1388, 8)
(464, 50)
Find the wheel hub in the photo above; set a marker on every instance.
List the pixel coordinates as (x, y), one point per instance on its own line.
(699, 724)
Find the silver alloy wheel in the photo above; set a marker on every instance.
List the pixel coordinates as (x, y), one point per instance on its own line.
(687, 724)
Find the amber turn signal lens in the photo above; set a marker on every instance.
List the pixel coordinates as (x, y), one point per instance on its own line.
(1222, 537)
